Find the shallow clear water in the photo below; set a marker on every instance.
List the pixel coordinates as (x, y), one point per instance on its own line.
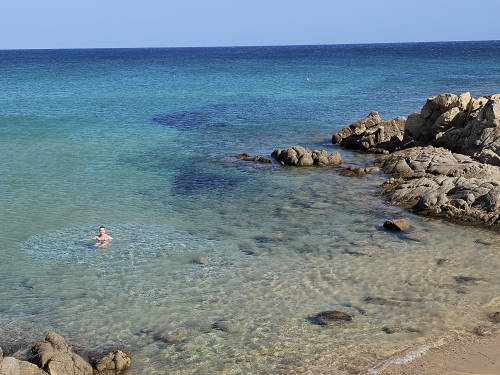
(141, 141)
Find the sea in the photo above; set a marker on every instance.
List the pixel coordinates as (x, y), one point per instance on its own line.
(218, 264)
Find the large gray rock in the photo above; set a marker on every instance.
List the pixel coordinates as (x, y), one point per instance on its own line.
(13, 366)
(437, 182)
(113, 363)
(373, 134)
(480, 136)
(432, 161)
(460, 123)
(55, 355)
(303, 157)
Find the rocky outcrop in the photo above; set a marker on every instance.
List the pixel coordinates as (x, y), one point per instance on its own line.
(299, 156)
(444, 158)
(437, 182)
(55, 356)
(373, 134)
(436, 161)
(460, 123)
(480, 135)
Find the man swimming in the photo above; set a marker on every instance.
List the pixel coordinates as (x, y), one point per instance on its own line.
(102, 237)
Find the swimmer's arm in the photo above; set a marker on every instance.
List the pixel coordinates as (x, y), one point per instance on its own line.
(89, 239)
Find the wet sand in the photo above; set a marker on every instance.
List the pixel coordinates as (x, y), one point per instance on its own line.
(471, 356)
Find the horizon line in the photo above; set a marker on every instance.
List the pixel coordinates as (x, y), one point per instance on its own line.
(247, 46)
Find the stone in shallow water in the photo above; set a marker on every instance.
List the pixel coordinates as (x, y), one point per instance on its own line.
(484, 330)
(398, 225)
(494, 317)
(380, 301)
(113, 363)
(227, 325)
(172, 336)
(256, 159)
(466, 279)
(329, 317)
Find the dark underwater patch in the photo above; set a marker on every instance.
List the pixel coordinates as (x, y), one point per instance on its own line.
(192, 181)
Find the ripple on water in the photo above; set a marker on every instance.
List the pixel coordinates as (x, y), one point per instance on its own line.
(133, 245)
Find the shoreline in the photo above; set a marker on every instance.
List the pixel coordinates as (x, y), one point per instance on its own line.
(466, 354)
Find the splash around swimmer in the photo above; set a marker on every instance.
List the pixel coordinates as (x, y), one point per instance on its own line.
(102, 239)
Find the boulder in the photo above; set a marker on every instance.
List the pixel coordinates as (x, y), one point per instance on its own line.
(303, 157)
(373, 133)
(13, 366)
(55, 355)
(113, 363)
(398, 225)
(480, 136)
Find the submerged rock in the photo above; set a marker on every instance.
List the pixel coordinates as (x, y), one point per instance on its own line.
(398, 225)
(227, 325)
(466, 279)
(494, 317)
(172, 335)
(355, 171)
(329, 317)
(257, 159)
(484, 330)
(299, 156)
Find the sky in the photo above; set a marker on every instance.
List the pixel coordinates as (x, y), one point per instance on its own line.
(176, 23)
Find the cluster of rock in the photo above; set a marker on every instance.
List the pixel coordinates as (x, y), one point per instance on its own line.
(444, 159)
(460, 123)
(373, 134)
(55, 356)
(303, 157)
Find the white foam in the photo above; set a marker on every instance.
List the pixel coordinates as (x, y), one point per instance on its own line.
(407, 357)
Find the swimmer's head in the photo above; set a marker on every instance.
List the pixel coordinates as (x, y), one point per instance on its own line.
(102, 230)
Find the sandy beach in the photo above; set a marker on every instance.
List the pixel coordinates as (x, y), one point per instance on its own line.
(471, 355)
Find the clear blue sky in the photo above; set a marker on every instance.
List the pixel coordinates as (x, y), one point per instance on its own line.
(164, 23)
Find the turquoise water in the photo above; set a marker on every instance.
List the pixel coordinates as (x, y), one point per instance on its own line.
(141, 140)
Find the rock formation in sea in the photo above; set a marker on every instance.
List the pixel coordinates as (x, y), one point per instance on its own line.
(444, 159)
(55, 356)
(303, 157)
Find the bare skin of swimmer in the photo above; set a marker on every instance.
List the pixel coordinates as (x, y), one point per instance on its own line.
(102, 236)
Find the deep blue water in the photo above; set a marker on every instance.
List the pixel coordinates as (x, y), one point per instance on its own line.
(141, 140)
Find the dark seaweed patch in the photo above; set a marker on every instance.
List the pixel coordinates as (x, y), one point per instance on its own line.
(194, 181)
